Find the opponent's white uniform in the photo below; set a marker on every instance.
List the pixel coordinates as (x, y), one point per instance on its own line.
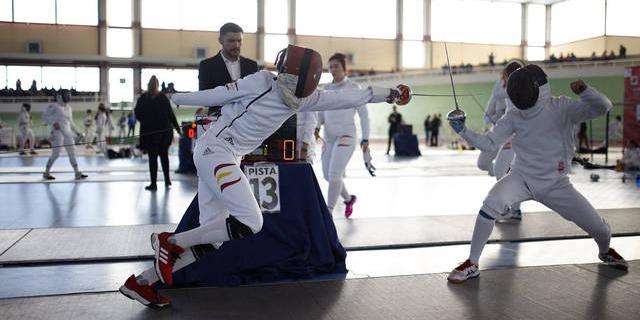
(541, 140)
(499, 104)
(253, 108)
(496, 107)
(63, 136)
(340, 141)
(305, 126)
(88, 128)
(26, 133)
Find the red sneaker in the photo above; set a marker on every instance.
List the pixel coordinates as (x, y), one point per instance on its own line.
(613, 259)
(348, 209)
(166, 255)
(143, 294)
(464, 271)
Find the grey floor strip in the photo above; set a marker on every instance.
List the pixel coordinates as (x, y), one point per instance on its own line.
(132, 242)
(8, 238)
(593, 292)
(403, 232)
(83, 244)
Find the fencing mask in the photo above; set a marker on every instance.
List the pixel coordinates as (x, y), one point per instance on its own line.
(523, 86)
(305, 64)
(63, 96)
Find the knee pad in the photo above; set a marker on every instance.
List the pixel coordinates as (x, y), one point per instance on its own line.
(238, 230)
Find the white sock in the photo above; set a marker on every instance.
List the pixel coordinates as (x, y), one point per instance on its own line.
(208, 233)
(481, 233)
(147, 277)
(344, 193)
(335, 187)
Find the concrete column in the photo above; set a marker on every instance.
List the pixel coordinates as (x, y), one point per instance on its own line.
(524, 37)
(291, 29)
(102, 47)
(428, 44)
(136, 29)
(260, 32)
(399, 5)
(547, 31)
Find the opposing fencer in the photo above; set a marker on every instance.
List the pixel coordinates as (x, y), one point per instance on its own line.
(340, 136)
(540, 128)
(59, 117)
(253, 108)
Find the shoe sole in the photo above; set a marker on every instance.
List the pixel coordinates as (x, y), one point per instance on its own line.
(135, 296)
(618, 266)
(456, 281)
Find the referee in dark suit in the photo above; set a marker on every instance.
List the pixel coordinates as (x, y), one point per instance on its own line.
(228, 65)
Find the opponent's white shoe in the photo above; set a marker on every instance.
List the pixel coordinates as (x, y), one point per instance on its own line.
(510, 216)
(461, 273)
(614, 260)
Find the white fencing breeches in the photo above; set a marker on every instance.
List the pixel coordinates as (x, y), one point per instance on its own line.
(26, 134)
(502, 165)
(485, 161)
(88, 135)
(223, 190)
(58, 140)
(336, 153)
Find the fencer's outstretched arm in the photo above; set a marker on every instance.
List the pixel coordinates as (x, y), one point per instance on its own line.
(496, 137)
(321, 100)
(222, 95)
(591, 104)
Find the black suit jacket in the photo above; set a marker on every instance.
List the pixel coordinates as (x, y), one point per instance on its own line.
(213, 72)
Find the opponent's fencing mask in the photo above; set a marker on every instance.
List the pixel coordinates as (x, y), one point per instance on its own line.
(26, 107)
(305, 64)
(523, 86)
(63, 96)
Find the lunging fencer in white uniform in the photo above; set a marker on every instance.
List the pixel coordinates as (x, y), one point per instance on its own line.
(340, 136)
(498, 105)
(305, 138)
(26, 132)
(540, 127)
(59, 117)
(253, 108)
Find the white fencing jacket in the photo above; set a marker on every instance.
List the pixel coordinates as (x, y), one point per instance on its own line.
(340, 122)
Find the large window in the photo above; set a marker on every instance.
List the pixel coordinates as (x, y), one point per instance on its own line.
(204, 15)
(120, 85)
(119, 43)
(413, 19)
(119, 13)
(573, 20)
(413, 54)
(276, 16)
(79, 78)
(78, 12)
(6, 9)
(182, 79)
(273, 43)
(536, 24)
(340, 18)
(622, 18)
(476, 21)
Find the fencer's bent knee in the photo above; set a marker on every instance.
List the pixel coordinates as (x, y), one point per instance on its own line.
(238, 230)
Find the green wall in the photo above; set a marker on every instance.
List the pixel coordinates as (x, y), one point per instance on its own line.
(416, 111)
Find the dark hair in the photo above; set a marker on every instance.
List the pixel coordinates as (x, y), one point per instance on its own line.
(230, 27)
(340, 58)
(511, 67)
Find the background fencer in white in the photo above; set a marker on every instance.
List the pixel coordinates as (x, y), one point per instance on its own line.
(59, 117)
(26, 132)
(539, 171)
(88, 128)
(496, 108)
(253, 108)
(102, 122)
(305, 139)
(340, 136)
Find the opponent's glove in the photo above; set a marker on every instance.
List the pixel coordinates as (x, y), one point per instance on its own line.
(400, 95)
(366, 155)
(457, 125)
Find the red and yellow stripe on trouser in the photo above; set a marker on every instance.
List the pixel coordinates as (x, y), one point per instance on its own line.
(223, 175)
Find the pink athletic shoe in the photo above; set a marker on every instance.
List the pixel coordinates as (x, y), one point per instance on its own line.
(348, 209)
